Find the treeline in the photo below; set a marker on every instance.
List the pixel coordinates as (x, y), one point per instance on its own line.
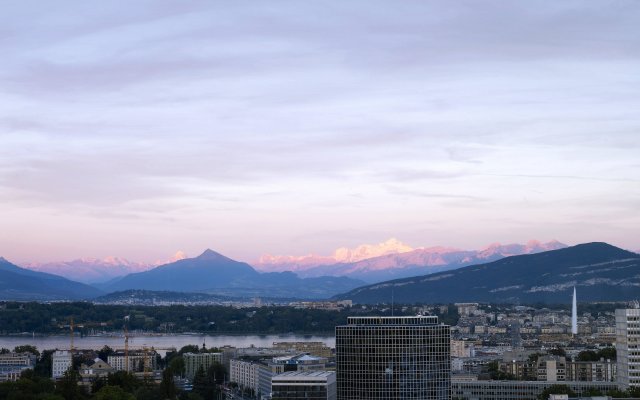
(16, 317)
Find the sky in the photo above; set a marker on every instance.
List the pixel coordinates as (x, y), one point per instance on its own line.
(136, 129)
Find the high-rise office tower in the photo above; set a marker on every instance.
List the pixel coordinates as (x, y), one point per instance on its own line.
(393, 358)
(628, 347)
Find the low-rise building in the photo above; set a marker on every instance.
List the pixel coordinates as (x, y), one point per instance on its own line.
(314, 348)
(516, 390)
(92, 371)
(13, 364)
(311, 385)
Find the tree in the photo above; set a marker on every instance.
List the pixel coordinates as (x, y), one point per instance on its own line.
(190, 348)
(126, 380)
(558, 351)
(556, 389)
(43, 364)
(167, 386)
(105, 352)
(204, 385)
(27, 348)
(113, 393)
(176, 365)
(587, 355)
(67, 386)
(608, 353)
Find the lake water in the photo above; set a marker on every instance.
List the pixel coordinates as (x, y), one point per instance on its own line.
(177, 341)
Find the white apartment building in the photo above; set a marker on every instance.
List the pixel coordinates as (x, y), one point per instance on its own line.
(61, 362)
(245, 374)
(627, 347)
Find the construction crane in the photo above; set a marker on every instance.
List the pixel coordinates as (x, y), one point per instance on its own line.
(71, 336)
(126, 349)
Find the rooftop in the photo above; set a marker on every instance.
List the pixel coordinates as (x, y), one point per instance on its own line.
(405, 320)
(304, 375)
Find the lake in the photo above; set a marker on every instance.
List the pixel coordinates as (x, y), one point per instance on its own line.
(177, 341)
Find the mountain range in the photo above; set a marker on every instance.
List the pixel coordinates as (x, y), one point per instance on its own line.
(94, 270)
(599, 271)
(22, 284)
(393, 259)
(211, 272)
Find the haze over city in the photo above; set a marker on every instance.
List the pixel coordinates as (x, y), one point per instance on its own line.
(296, 128)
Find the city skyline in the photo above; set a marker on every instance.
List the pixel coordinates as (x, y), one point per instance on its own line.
(136, 130)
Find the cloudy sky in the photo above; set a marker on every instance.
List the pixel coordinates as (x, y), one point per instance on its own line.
(139, 128)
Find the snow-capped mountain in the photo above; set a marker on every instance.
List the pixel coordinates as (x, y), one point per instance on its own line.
(269, 262)
(398, 260)
(94, 270)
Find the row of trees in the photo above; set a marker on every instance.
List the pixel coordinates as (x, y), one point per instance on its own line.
(54, 318)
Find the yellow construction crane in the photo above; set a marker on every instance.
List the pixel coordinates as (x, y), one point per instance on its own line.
(71, 336)
(126, 349)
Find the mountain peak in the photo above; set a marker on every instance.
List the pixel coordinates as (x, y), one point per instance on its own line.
(209, 254)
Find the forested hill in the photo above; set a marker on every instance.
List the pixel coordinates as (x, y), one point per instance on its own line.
(599, 271)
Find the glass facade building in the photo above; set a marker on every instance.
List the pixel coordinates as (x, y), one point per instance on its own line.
(393, 358)
(628, 347)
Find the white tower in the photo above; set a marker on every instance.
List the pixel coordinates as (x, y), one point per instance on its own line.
(574, 314)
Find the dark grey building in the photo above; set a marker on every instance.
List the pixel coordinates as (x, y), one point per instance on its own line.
(393, 358)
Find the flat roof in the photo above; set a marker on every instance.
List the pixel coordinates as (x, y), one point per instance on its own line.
(304, 375)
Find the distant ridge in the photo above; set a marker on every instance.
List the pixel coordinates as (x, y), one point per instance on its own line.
(600, 272)
(393, 259)
(22, 284)
(212, 272)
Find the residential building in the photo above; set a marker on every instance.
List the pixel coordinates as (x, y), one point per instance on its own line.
(393, 358)
(592, 371)
(61, 361)
(136, 361)
(90, 372)
(551, 369)
(194, 361)
(313, 348)
(245, 373)
(309, 385)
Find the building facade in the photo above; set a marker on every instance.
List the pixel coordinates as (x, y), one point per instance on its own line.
(61, 361)
(517, 390)
(245, 374)
(138, 361)
(309, 385)
(393, 358)
(13, 364)
(314, 348)
(194, 361)
(627, 347)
